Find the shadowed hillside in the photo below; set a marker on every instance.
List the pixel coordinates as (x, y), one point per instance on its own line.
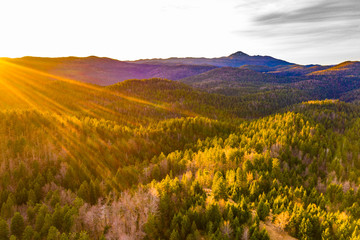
(106, 71)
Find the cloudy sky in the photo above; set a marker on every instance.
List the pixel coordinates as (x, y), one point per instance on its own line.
(300, 31)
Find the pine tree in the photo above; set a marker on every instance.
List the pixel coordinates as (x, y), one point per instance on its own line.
(57, 217)
(7, 208)
(175, 235)
(53, 233)
(219, 187)
(47, 225)
(31, 214)
(326, 234)
(305, 229)
(84, 191)
(151, 227)
(17, 225)
(263, 209)
(36, 236)
(31, 197)
(84, 236)
(28, 233)
(264, 235)
(64, 237)
(185, 226)
(4, 230)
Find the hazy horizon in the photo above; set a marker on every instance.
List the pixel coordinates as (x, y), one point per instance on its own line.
(130, 60)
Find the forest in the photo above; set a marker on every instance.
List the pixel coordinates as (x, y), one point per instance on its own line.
(162, 159)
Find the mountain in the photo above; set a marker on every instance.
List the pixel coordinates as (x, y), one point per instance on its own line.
(259, 68)
(298, 70)
(234, 60)
(128, 102)
(313, 80)
(345, 69)
(229, 79)
(106, 71)
(351, 96)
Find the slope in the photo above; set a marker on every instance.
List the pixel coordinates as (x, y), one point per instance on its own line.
(232, 81)
(105, 71)
(345, 69)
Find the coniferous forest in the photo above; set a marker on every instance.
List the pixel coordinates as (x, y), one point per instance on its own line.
(222, 151)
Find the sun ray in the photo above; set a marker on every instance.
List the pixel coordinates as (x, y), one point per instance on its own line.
(29, 78)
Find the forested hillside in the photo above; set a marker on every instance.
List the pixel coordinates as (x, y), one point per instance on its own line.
(105, 71)
(160, 159)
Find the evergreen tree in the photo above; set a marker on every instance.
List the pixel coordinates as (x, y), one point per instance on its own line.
(84, 191)
(326, 235)
(175, 235)
(17, 225)
(219, 187)
(28, 233)
(263, 209)
(53, 233)
(185, 226)
(305, 229)
(4, 230)
(57, 217)
(65, 237)
(84, 236)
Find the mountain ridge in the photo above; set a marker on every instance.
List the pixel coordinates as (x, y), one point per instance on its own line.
(236, 59)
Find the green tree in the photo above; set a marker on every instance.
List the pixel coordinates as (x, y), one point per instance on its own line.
(17, 225)
(31, 197)
(263, 209)
(264, 235)
(4, 230)
(219, 186)
(326, 234)
(84, 191)
(7, 208)
(57, 217)
(84, 236)
(305, 229)
(31, 214)
(64, 237)
(47, 224)
(185, 226)
(28, 233)
(175, 235)
(53, 233)
(151, 227)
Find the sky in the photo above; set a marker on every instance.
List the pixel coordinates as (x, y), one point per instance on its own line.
(299, 31)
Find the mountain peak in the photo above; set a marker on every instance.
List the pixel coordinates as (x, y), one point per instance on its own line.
(238, 54)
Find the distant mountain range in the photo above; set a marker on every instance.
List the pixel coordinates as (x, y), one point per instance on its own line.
(234, 75)
(237, 59)
(106, 71)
